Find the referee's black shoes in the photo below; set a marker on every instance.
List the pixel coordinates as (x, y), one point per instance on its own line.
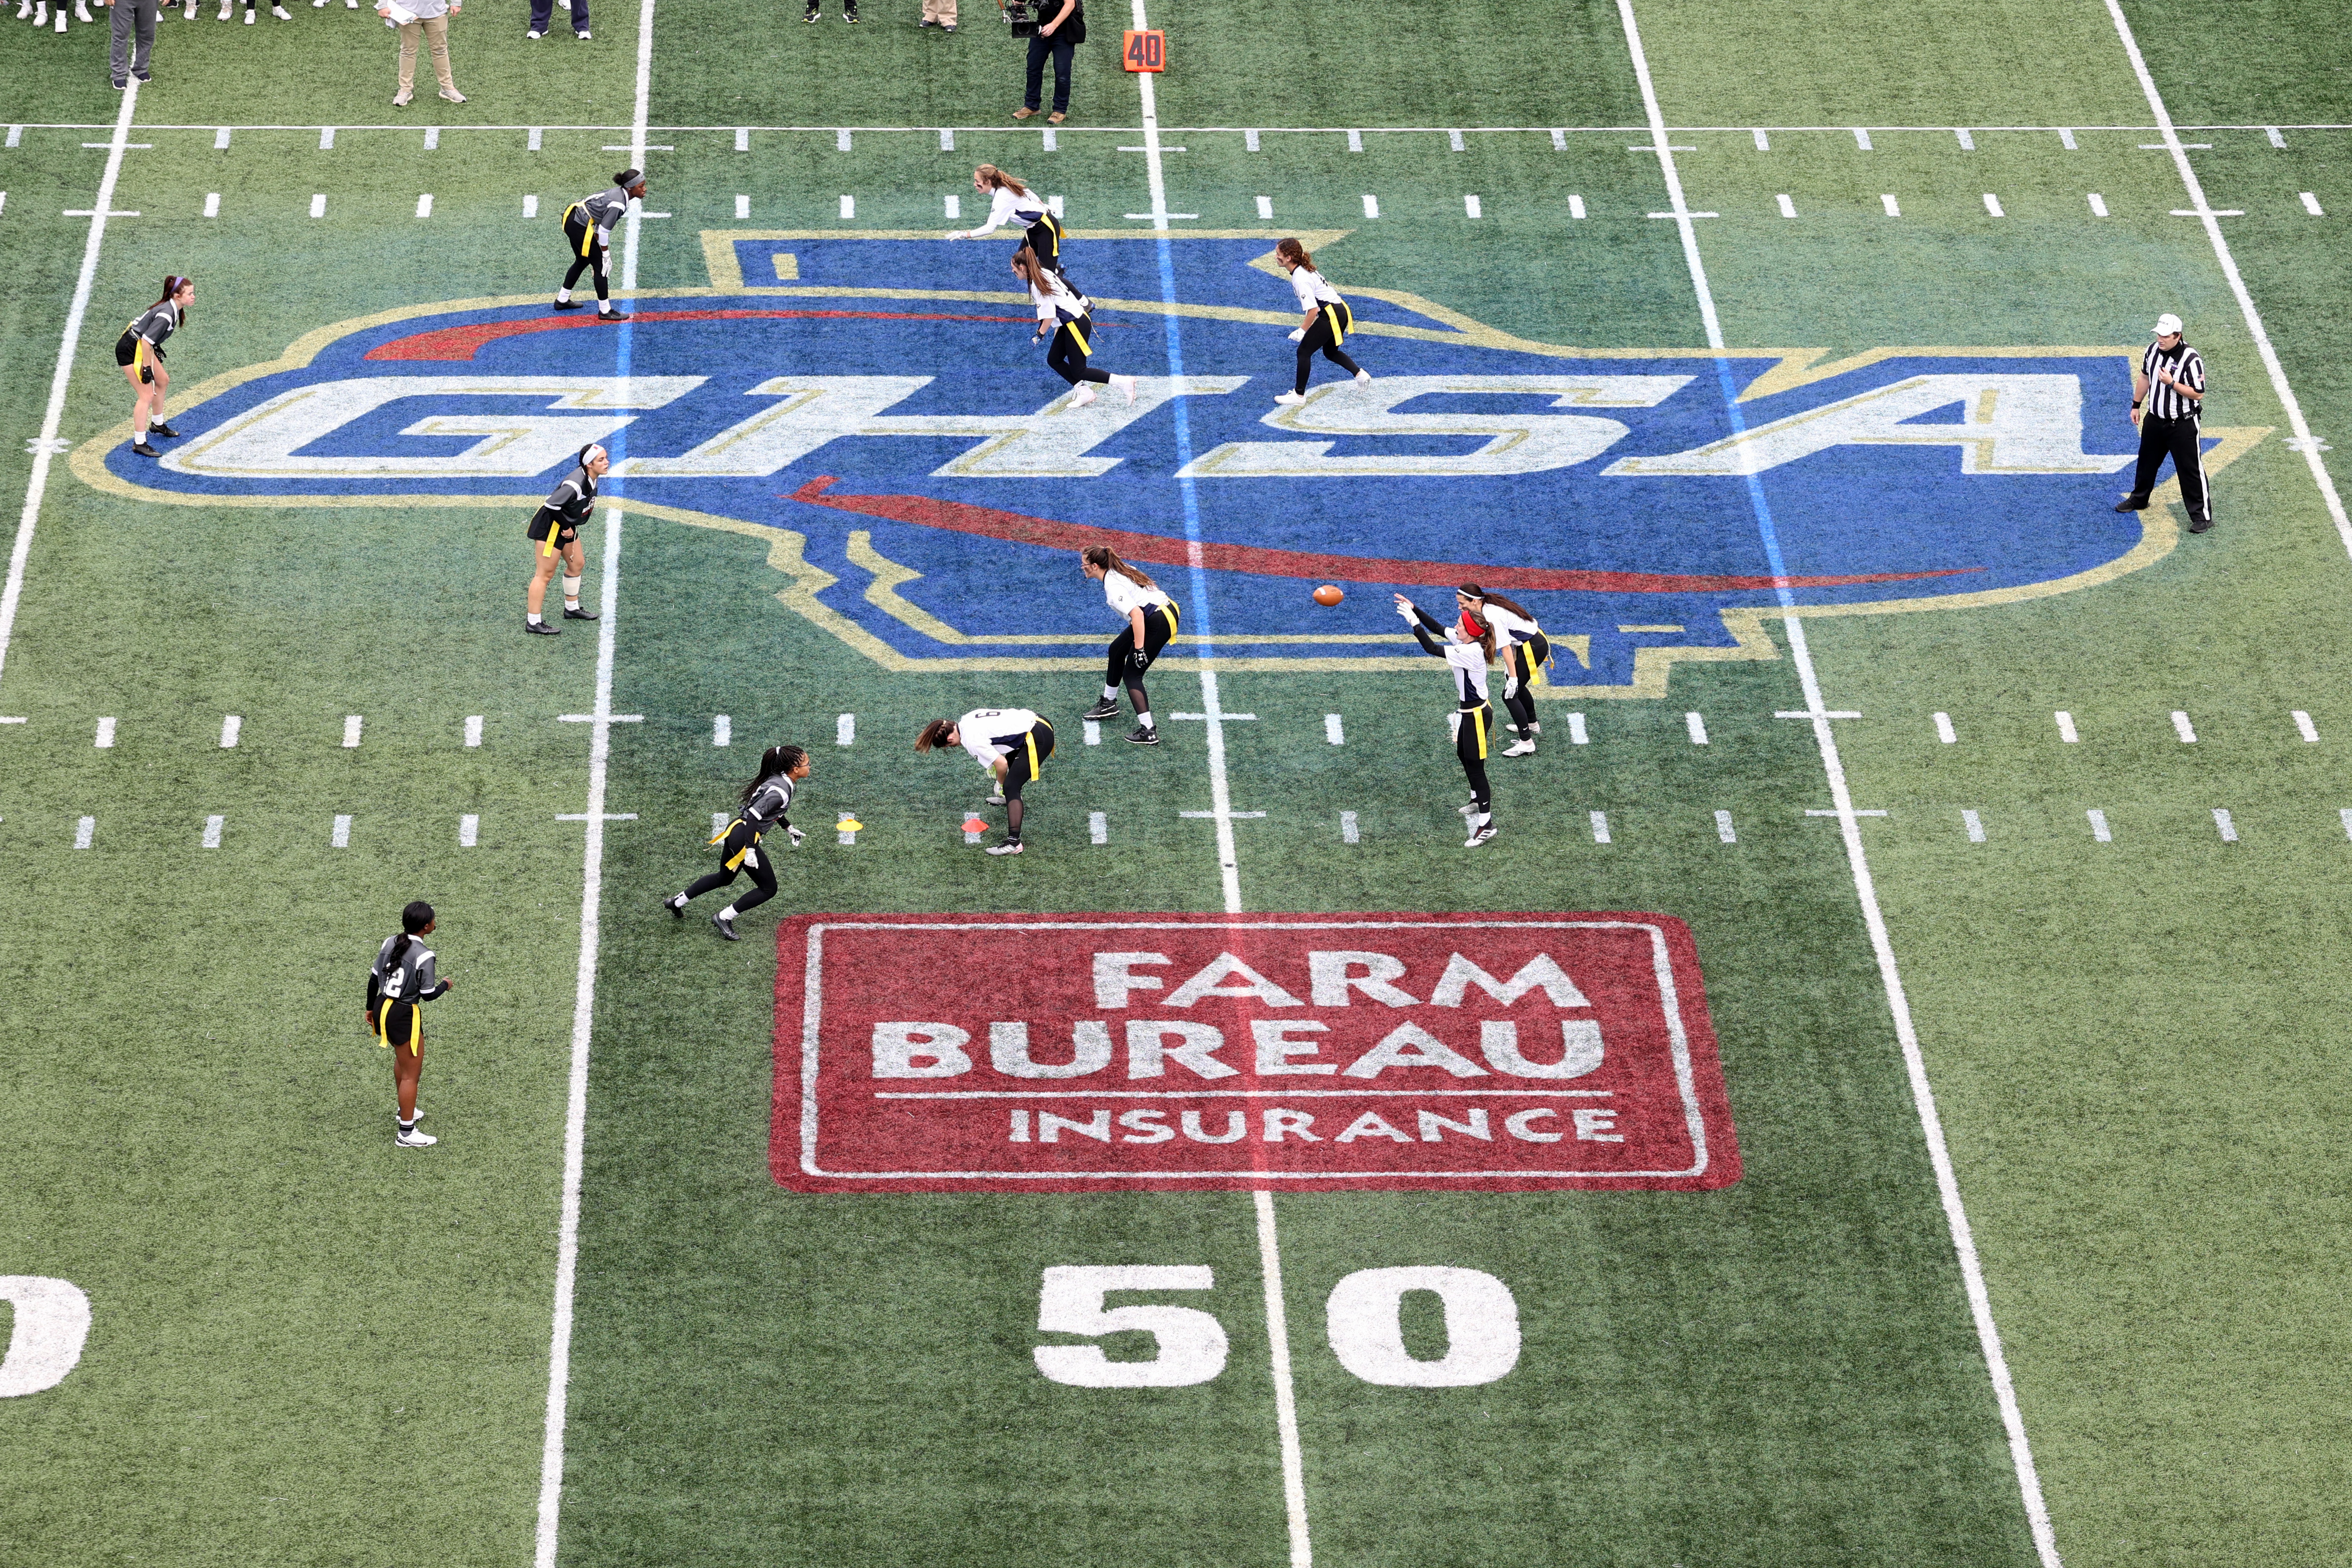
(2200, 525)
(2132, 503)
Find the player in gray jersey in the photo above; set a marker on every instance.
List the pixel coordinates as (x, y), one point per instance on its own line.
(554, 532)
(401, 980)
(766, 801)
(588, 226)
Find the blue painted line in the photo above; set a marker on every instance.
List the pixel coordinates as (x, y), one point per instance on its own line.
(1197, 618)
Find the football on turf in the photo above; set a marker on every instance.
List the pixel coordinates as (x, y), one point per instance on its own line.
(1328, 595)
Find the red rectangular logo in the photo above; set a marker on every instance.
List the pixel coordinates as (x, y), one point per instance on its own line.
(1113, 1053)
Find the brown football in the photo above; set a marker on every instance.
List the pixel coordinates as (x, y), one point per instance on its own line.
(1328, 595)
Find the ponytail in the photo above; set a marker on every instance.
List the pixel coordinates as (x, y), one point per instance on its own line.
(1291, 250)
(935, 733)
(172, 284)
(773, 761)
(1104, 557)
(996, 179)
(1472, 590)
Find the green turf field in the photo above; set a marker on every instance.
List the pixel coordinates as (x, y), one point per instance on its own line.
(2069, 857)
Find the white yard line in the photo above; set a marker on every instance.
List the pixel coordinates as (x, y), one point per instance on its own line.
(583, 1003)
(47, 447)
(583, 1013)
(2037, 1511)
(1286, 1397)
(2303, 441)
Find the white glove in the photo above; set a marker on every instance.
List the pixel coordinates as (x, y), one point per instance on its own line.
(1453, 726)
(1299, 335)
(750, 859)
(1404, 609)
(1510, 686)
(796, 835)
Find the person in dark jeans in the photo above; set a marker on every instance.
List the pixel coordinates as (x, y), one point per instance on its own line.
(1060, 40)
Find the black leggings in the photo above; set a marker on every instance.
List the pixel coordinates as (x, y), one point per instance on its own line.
(763, 877)
(1470, 746)
(1322, 336)
(1044, 237)
(1521, 662)
(1066, 354)
(586, 254)
(1159, 626)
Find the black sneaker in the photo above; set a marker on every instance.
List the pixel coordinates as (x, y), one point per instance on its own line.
(2132, 503)
(1106, 709)
(612, 315)
(542, 629)
(1143, 735)
(726, 927)
(144, 450)
(166, 431)
(569, 304)
(570, 613)
(121, 86)
(2200, 525)
(676, 905)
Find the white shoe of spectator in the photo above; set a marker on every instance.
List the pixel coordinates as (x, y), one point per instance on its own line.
(23, 9)
(81, 11)
(40, 13)
(582, 34)
(281, 12)
(224, 11)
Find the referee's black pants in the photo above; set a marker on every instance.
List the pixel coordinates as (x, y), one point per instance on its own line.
(2175, 438)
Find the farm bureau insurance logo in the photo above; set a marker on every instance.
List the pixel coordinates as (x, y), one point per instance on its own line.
(880, 415)
(1111, 1053)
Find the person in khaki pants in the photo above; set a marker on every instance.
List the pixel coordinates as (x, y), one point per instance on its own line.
(939, 14)
(430, 17)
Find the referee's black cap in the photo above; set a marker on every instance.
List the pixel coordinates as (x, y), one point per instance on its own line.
(628, 177)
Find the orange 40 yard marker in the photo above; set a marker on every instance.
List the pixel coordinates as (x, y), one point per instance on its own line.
(1144, 51)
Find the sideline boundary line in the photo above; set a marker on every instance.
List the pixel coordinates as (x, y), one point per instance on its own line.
(2303, 441)
(212, 127)
(2037, 1511)
(46, 448)
(583, 1008)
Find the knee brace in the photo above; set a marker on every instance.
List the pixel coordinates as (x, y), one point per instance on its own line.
(572, 587)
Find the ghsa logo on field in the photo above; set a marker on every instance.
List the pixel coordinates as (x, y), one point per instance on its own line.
(1098, 1053)
(884, 412)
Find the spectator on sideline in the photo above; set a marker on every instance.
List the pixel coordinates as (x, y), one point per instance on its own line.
(430, 17)
(133, 18)
(543, 13)
(941, 13)
(1060, 40)
(2171, 380)
(38, 10)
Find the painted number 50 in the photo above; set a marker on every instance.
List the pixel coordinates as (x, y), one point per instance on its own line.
(1363, 1317)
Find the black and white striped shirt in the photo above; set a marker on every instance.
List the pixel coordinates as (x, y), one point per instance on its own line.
(2182, 363)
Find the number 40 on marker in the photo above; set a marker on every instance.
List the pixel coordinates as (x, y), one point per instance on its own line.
(1145, 51)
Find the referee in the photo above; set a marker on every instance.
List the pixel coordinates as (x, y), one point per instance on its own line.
(2170, 382)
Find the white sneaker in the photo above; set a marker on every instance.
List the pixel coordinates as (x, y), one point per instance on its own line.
(1479, 835)
(1086, 394)
(1012, 849)
(532, 35)
(250, 18)
(281, 12)
(413, 1138)
(996, 799)
(1525, 748)
(40, 14)
(582, 34)
(224, 12)
(1289, 397)
(1125, 383)
(81, 12)
(1364, 378)
(23, 9)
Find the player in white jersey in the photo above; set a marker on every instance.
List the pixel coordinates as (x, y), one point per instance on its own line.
(1326, 323)
(1521, 648)
(1151, 615)
(1472, 720)
(1068, 315)
(1010, 200)
(1009, 744)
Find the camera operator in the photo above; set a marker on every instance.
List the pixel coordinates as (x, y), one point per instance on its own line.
(1058, 38)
